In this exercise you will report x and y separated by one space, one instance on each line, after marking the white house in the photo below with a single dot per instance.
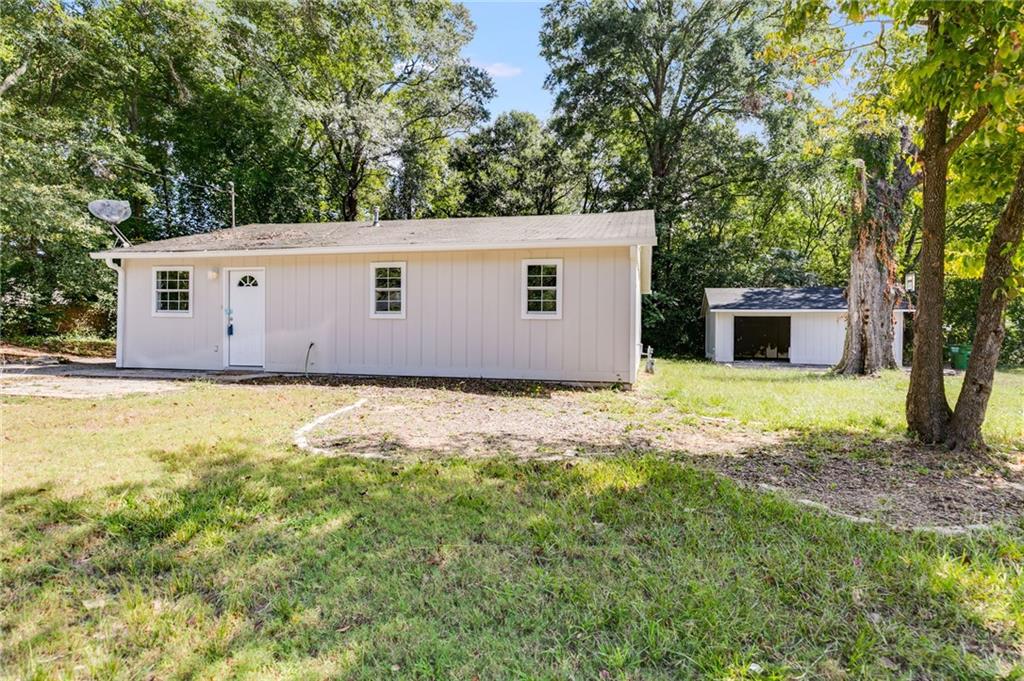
543 297
796 325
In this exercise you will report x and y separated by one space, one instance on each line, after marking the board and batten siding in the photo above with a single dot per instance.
463 316
814 337
817 337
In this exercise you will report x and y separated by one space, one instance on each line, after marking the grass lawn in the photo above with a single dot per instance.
181 535
805 401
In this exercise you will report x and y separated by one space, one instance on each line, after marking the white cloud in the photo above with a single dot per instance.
501 70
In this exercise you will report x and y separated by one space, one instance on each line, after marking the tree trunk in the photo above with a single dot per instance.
13 76
928 412
880 195
965 428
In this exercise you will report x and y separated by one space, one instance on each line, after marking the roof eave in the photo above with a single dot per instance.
791 310
372 248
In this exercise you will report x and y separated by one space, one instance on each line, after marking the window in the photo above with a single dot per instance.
542 289
387 283
248 281
172 291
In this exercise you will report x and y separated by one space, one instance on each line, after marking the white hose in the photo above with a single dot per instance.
300 439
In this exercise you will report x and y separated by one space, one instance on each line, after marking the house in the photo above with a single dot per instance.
797 325
542 297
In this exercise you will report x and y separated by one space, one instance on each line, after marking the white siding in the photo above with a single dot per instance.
724 336
897 337
709 334
462 317
816 337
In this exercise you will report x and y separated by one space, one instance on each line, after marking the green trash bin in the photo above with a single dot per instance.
959 354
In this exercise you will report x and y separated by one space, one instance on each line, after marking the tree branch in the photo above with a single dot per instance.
965 130
14 75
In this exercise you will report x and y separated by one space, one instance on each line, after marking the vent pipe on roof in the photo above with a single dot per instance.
376 216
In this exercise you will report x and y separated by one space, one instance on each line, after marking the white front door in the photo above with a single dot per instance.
246 314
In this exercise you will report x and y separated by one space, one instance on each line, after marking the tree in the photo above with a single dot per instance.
961 74
364 79
424 184
981 174
882 186
515 166
310 108
664 87
981 43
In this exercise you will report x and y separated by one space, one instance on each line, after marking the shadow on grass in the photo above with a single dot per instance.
318 566
892 479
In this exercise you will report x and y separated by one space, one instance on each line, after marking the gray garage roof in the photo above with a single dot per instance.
627 228
769 299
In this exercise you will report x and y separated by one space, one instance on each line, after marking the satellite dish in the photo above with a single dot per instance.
113 213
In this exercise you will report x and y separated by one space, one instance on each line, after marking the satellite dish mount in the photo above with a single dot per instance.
113 213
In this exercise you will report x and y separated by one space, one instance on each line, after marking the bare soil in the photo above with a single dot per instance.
79 387
894 481
552 424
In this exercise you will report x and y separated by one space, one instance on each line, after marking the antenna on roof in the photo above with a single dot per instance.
113 213
231 189
376 215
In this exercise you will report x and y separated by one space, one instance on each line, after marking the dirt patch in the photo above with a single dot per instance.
78 387
895 481
550 424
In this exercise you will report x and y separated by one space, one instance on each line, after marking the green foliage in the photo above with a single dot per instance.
695 123
962 300
310 108
516 166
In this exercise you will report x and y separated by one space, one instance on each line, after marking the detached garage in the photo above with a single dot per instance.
796 325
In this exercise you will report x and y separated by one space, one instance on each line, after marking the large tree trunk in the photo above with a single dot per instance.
876 215
965 428
928 411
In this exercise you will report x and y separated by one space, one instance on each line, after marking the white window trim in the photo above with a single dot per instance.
557 314
191 292
373 291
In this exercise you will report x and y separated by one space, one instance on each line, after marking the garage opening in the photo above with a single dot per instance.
761 338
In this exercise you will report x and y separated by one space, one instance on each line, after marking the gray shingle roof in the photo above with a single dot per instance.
804 298
635 227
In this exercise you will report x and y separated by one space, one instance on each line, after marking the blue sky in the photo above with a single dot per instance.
506 45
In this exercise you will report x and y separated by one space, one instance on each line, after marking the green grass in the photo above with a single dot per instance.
180 535
775 399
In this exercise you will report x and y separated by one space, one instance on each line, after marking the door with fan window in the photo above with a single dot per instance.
246 316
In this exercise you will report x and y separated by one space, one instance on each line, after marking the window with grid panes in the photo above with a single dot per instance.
172 291
542 288
388 289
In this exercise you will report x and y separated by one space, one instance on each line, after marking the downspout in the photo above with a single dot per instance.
115 264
